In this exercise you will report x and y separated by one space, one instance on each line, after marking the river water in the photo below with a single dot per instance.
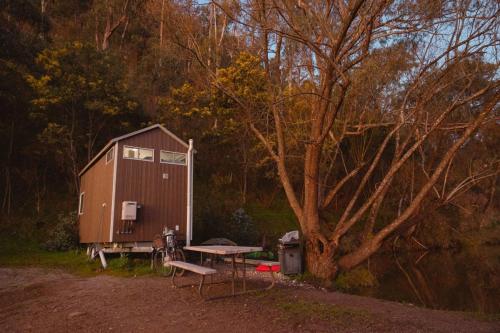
450 280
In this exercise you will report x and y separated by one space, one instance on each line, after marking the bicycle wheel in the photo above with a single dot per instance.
179 256
159 264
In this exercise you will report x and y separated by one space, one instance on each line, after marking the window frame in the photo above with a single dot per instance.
81 204
112 151
173 152
138 159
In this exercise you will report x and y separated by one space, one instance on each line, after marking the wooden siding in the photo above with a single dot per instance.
97 184
163 201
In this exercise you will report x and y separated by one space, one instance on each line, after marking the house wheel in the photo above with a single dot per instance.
91 252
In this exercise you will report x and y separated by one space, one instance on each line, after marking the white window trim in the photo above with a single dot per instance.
138 159
112 155
80 201
174 152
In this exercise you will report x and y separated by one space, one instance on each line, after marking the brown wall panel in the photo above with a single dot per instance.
97 183
163 201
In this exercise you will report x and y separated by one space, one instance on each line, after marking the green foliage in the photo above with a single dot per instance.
26 252
246 80
64 234
242 228
77 76
359 277
79 92
187 101
321 311
273 221
128 265
123 262
218 213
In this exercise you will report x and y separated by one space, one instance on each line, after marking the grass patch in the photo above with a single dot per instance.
28 253
271 295
309 278
481 316
303 311
127 266
321 311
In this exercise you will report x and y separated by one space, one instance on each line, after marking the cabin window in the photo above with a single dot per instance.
136 153
80 203
110 154
171 157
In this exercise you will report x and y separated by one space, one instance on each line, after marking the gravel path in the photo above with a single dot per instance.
39 300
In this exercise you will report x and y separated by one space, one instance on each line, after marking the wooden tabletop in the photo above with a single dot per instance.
223 249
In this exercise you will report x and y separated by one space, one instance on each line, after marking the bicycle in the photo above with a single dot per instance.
165 249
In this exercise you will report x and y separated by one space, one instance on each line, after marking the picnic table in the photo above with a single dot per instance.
227 250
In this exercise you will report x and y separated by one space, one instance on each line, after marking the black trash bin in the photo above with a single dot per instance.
290 254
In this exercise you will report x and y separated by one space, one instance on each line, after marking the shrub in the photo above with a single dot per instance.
242 229
64 235
359 277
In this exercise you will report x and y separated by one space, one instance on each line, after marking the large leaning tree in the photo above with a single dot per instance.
359 92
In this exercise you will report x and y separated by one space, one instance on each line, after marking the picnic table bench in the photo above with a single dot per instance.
201 270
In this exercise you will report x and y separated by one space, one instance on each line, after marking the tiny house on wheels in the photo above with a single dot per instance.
135 186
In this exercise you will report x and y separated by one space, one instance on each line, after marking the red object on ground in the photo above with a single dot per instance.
263 268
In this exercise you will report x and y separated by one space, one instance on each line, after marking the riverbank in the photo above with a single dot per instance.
38 300
457 279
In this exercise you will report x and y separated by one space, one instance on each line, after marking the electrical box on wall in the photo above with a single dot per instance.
129 210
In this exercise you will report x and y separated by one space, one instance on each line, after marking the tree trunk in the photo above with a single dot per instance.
162 20
245 175
319 251
319 259
112 26
355 258
7 200
73 153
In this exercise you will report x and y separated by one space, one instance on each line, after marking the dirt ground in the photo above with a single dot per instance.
40 300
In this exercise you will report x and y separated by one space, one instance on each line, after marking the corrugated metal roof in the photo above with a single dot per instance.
113 141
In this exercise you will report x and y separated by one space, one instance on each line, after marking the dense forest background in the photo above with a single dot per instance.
76 73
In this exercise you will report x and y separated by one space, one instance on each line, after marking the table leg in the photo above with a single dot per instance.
233 273
212 257
244 274
200 288
273 280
